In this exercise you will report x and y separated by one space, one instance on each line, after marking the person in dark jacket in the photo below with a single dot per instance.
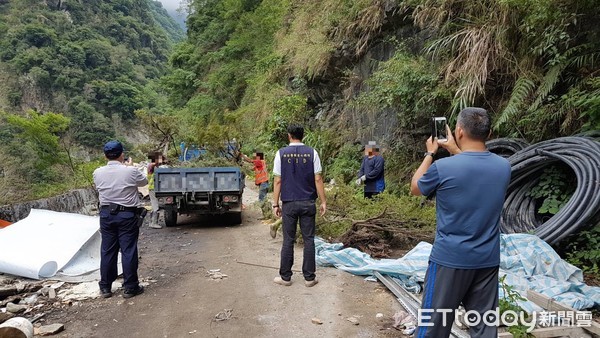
381 181
371 172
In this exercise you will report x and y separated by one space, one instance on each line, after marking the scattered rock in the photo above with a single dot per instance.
317 321
11 299
353 320
403 319
81 291
44 291
5 316
379 315
37 317
224 315
216 274
52 293
15 308
48 330
30 300
409 331
21 287
57 285
7 290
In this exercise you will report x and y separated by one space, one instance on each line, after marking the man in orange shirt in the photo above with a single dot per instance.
261 176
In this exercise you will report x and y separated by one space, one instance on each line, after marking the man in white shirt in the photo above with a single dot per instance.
298 182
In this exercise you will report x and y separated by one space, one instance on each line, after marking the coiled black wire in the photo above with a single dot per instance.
506 147
582 155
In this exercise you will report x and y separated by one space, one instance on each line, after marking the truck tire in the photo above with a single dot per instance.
236 218
170 217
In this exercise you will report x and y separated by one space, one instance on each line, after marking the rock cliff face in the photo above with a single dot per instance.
332 98
82 201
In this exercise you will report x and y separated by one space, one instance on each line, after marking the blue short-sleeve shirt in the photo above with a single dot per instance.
470 189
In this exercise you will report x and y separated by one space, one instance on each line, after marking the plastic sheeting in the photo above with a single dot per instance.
527 261
46 241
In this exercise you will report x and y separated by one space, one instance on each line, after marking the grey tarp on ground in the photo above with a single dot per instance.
527 261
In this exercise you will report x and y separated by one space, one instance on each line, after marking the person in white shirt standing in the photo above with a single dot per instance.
298 182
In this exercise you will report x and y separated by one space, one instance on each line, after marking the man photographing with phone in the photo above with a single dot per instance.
470 188
120 218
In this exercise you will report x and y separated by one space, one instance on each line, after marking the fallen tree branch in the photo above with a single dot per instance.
376 235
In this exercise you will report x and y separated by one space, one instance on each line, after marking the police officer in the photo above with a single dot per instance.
298 181
119 204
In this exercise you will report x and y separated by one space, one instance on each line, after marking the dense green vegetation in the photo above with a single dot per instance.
249 67
350 70
358 70
93 63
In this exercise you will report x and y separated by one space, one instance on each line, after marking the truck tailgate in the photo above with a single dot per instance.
179 180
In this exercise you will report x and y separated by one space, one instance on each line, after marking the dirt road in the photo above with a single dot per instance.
182 300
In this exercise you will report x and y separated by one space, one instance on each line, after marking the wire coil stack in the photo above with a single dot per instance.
506 147
582 155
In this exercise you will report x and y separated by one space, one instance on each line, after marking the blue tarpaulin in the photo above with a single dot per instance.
527 261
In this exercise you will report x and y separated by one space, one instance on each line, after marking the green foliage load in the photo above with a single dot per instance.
209 161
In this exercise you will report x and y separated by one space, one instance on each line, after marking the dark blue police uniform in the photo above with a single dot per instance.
119 219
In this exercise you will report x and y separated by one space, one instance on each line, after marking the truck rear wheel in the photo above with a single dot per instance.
236 218
171 217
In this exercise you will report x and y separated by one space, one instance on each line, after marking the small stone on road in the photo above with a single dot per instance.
353 320
15 308
48 330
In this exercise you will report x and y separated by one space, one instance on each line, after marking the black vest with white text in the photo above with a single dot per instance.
297 173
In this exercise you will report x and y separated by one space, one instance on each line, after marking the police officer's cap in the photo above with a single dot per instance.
114 148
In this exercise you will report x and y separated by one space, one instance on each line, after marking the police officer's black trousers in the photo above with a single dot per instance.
292 212
119 231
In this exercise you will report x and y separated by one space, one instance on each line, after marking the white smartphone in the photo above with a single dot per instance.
439 128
